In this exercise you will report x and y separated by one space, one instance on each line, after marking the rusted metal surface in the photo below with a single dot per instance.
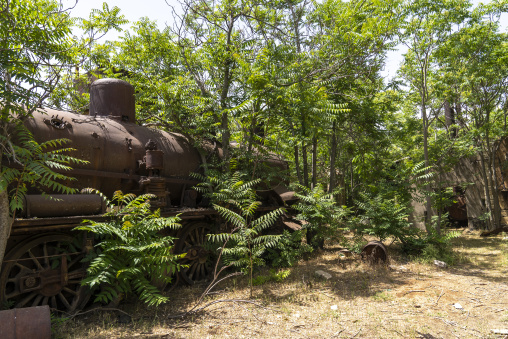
193 241
122 156
374 252
113 98
59 205
189 198
458 210
115 151
44 270
154 159
30 322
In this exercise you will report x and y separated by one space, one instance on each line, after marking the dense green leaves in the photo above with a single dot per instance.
295 80
35 165
131 256
247 241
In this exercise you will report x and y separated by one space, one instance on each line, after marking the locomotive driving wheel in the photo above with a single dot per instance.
199 258
44 270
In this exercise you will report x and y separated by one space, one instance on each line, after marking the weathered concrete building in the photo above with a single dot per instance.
469 187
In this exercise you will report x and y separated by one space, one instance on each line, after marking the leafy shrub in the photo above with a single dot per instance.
274 275
431 246
235 201
224 188
289 250
131 253
324 218
383 218
40 164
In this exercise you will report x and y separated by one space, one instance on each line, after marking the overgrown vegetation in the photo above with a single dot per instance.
296 81
38 165
325 219
235 200
291 248
132 256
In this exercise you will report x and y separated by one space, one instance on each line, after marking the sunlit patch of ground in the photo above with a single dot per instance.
401 300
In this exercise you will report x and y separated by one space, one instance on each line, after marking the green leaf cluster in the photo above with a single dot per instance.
325 219
290 249
132 256
247 241
35 166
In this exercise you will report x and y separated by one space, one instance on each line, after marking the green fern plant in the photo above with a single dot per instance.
33 164
324 218
131 254
289 250
235 201
383 217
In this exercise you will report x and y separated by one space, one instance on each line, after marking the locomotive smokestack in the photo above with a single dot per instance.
113 98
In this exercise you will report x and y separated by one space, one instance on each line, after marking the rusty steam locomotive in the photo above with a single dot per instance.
43 261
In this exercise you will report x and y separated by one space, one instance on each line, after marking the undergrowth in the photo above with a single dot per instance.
132 257
273 275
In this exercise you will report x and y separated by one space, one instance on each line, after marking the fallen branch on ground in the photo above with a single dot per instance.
442 292
212 285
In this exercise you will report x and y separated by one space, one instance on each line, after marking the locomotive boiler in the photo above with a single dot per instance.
43 261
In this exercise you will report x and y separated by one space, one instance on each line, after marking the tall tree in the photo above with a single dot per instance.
429 23
474 67
33 38
35 47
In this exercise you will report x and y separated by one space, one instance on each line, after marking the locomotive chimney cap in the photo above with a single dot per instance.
112 98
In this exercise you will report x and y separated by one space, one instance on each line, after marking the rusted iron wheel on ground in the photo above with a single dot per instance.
374 252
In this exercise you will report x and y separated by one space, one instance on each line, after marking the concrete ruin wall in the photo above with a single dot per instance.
468 171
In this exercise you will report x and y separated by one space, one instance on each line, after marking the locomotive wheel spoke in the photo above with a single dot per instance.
193 270
53 302
74 281
40 258
37 300
12 295
194 238
191 239
46 258
202 240
63 300
26 299
68 290
22 267
198 237
34 259
203 273
75 261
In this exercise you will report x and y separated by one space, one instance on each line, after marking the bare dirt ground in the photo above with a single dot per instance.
404 299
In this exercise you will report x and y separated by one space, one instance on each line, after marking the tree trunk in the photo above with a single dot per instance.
252 131
333 152
314 162
226 133
297 165
450 119
225 136
428 188
486 190
352 183
305 165
5 224
494 189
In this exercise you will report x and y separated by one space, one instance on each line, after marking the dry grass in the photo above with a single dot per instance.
402 300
